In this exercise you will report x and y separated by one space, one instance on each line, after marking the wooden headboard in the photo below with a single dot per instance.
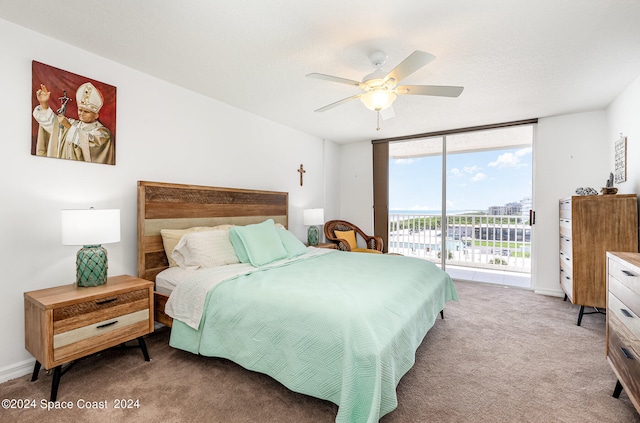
176 206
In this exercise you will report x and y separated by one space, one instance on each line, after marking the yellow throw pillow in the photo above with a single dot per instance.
349 236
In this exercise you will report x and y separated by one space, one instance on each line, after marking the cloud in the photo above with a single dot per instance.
471 169
478 177
455 171
511 159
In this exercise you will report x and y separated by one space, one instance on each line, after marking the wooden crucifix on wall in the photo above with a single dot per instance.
301 171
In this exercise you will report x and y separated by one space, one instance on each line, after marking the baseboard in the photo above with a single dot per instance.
550 292
16 370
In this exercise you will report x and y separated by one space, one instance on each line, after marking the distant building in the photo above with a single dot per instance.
509 209
527 205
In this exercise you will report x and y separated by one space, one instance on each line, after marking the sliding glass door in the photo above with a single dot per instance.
463 199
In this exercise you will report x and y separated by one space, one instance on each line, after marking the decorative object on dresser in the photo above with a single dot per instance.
589 227
313 218
609 189
66 323
586 191
90 228
623 322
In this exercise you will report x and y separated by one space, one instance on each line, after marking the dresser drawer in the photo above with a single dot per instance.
565 228
565 259
86 313
626 274
566 277
626 315
565 209
565 245
623 355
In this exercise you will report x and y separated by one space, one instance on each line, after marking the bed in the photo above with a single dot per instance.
339 326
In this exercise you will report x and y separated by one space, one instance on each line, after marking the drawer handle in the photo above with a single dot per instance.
626 272
626 353
106 324
626 312
105 301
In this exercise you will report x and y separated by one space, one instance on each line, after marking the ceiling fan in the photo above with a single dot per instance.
381 88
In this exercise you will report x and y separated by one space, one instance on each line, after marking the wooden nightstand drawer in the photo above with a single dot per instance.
87 313
68 345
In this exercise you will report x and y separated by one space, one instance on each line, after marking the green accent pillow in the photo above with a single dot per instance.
293 245
238 246
261 242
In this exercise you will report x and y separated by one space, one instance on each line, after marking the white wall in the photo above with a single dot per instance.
569 152
356 184
622 117
164 133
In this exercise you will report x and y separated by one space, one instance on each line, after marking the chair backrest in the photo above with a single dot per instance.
342 225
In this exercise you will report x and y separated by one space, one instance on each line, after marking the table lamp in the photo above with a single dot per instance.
90 228
312 218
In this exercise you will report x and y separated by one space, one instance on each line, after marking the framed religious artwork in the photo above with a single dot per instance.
621 159
73 117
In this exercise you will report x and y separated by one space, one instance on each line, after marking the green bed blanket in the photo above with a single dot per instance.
342 326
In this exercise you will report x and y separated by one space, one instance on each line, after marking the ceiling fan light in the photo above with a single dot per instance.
377 100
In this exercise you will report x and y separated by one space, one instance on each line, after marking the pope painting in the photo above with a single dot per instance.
72 131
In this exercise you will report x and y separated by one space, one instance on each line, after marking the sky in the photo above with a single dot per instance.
475 181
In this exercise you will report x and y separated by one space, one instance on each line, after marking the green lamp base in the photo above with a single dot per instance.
91 266
313 235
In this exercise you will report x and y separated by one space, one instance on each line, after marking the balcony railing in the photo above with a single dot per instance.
482 241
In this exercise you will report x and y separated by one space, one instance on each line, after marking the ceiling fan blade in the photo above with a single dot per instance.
412 63
334 79
435 90
337 103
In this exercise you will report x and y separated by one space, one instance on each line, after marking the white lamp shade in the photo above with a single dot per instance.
313 217
90 227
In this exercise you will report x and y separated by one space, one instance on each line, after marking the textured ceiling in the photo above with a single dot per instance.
516 59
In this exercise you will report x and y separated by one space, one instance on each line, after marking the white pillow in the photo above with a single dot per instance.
171 237
204 249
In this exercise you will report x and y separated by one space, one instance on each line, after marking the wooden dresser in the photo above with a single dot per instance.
589 227
65 323
623 322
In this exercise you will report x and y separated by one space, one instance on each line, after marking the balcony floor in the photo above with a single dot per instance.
495 277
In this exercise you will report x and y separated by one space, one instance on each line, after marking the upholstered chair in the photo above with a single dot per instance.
346 235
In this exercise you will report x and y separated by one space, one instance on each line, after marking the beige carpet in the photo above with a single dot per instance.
500 355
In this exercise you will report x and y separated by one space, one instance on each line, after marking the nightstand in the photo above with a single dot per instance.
66 323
